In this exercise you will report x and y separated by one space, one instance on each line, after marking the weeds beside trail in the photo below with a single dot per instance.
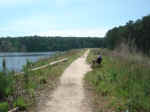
23 90
121 83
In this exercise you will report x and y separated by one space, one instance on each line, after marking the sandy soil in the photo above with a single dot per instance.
69 96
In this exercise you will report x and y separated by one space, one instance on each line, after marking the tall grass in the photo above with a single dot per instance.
6 90
124 78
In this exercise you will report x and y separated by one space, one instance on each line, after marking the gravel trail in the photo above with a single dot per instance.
69 96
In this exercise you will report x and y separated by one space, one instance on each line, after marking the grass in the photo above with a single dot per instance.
23 90
120 83
3 107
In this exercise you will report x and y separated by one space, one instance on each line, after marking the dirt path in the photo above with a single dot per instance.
69 95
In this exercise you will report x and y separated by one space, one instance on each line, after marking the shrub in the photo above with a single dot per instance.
20 102
6 83
4 107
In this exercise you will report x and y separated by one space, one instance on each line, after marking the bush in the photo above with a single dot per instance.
4 107
6 83
20 102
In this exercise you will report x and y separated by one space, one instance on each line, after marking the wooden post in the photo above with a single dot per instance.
4 65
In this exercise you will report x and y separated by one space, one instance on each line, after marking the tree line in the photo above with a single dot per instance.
134 32
41 44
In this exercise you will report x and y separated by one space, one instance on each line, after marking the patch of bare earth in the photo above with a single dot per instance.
98 102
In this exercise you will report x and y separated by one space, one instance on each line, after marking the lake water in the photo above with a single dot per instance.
15 61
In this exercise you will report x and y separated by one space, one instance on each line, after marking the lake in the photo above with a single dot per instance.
15 61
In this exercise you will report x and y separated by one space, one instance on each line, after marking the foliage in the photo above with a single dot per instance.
6 83
40 44
137 32
20 102
3 107
123 80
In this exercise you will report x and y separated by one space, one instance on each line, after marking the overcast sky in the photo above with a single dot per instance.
67 17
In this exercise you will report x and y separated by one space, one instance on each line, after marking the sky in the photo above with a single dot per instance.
67 17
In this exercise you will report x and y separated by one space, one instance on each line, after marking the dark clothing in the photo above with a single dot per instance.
99 59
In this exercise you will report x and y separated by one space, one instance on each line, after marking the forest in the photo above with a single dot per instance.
41 44
135 33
